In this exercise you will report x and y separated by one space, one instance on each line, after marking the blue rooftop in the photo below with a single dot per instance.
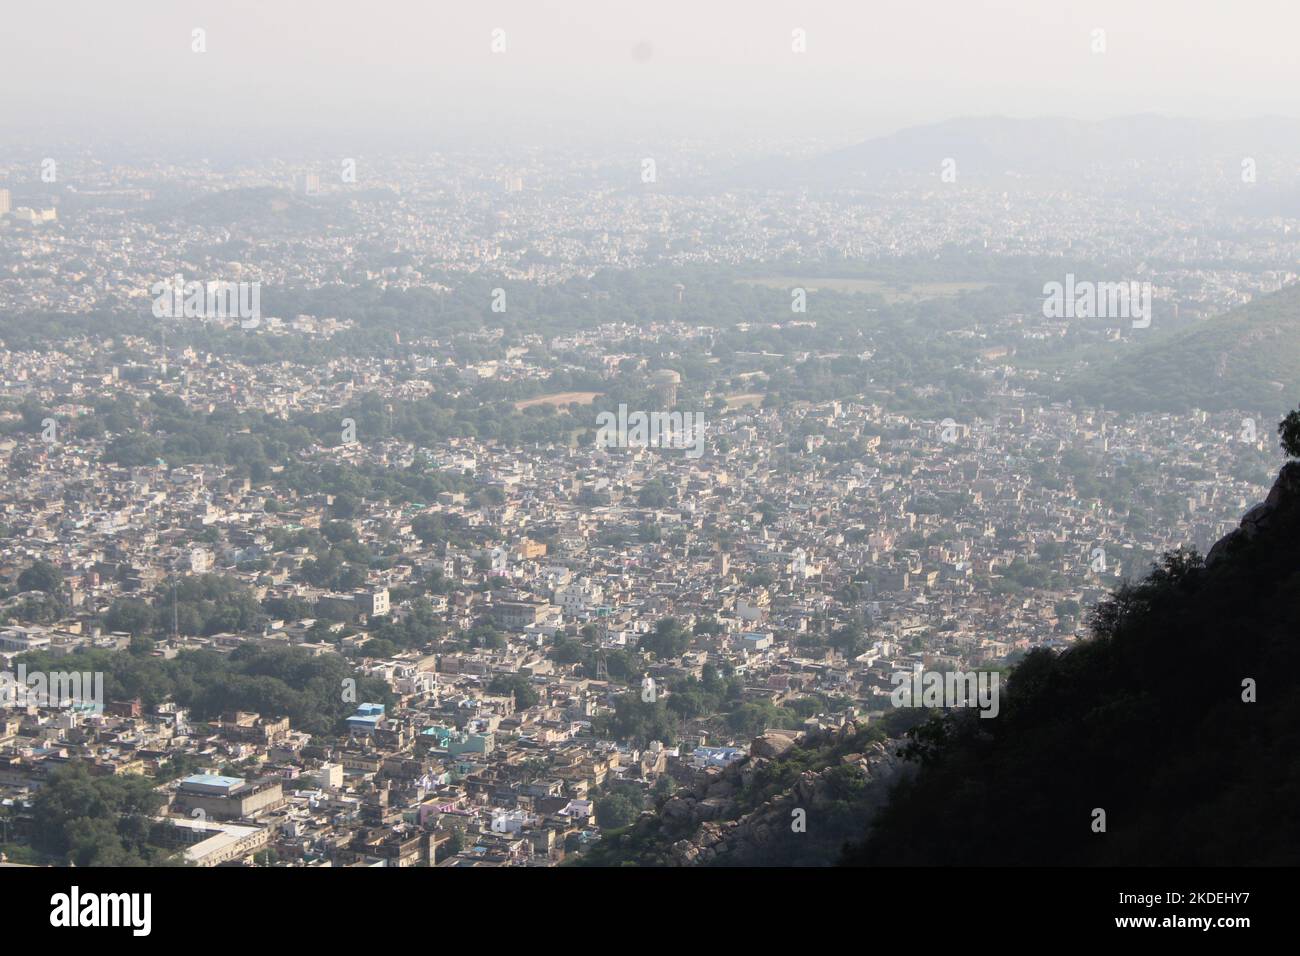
213 780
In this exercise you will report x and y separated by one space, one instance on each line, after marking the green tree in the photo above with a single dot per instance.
131 615
97 821
1289 430
616 811
517 684
41 576
667 640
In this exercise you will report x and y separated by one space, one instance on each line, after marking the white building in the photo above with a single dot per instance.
579 596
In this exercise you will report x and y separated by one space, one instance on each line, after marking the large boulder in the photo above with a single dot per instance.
1285 490
773 743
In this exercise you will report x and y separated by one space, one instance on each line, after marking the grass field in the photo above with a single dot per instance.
558 399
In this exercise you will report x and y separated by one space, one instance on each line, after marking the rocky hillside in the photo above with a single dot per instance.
1179 719
794 801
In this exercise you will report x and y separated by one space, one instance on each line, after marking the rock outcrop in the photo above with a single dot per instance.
727 834
1285 488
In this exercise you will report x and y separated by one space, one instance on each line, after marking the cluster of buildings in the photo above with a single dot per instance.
97 243
935 544
810 552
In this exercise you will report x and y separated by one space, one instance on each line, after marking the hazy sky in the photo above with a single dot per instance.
613 68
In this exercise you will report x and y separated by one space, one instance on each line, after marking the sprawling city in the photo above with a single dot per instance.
657 500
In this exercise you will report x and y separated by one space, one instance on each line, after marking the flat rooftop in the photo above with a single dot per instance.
212 783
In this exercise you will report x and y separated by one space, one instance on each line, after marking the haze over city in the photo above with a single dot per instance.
611 437
587 70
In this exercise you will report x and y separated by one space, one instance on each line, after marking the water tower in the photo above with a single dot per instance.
664 382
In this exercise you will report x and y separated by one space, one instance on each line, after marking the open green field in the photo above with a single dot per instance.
558 399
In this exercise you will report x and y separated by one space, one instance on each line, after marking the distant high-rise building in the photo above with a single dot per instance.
308 184
4 202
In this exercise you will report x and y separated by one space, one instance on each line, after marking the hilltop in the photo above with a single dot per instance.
1047 147
254 207
1248 358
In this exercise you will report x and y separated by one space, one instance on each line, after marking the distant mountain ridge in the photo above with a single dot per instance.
1048 146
